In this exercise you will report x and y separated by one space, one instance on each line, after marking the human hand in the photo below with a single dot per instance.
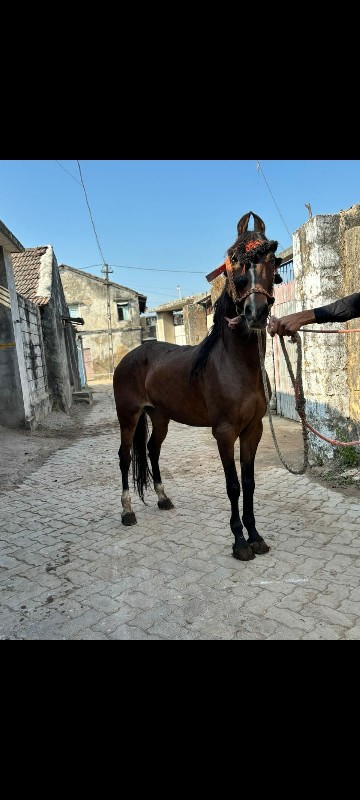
289 325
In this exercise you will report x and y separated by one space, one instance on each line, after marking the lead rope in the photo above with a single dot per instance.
299 397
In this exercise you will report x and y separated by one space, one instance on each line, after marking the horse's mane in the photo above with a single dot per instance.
224 306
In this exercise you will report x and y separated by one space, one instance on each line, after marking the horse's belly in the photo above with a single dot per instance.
177 406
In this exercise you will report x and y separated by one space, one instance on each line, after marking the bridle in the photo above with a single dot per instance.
239 296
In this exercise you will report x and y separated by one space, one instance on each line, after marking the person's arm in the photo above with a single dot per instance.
342 310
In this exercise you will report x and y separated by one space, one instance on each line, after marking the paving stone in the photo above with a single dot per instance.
69 569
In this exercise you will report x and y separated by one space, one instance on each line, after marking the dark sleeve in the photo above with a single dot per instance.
340 311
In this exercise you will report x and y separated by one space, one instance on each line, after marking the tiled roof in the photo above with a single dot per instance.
28 272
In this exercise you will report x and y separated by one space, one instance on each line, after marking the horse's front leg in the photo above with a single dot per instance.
248 447
225 441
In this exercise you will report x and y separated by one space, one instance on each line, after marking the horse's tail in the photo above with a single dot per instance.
140 466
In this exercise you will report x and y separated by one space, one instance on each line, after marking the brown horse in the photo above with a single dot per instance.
217 384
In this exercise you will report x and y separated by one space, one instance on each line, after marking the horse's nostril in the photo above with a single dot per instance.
263 312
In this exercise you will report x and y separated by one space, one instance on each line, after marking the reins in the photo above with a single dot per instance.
333 330
299 404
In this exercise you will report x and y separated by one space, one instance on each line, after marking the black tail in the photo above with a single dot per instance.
140 466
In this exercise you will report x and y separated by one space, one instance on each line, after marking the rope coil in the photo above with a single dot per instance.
299 397
299 402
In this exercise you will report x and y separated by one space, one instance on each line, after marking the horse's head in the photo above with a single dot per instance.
251 270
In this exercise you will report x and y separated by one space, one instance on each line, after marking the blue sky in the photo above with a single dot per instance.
164 215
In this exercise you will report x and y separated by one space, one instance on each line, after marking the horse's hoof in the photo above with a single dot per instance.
129 518
165 504
259 547
243 553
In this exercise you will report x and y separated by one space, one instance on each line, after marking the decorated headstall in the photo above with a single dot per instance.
246 252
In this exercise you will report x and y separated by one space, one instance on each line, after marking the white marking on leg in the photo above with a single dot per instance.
126 502
160 491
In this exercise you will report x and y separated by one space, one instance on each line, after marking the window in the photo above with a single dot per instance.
74 309
123 311
286 270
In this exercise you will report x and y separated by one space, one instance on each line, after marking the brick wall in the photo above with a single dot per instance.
30 325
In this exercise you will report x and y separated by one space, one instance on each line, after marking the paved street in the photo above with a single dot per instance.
70 570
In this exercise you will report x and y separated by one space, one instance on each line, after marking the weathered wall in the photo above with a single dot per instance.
123 342
30 326
60 346
15 408
350 227
91 296
326 258
217 287
194 323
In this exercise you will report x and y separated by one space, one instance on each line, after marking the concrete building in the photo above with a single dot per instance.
111 315
326 267
15 404
50 339
184 320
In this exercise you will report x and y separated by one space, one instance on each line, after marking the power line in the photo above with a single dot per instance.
154 269
91 216
145 269
106 270
67 171
259 168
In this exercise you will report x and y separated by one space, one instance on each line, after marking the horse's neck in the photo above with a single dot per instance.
240 342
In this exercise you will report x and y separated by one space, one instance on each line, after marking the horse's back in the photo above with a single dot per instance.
157 374
149 359
146 355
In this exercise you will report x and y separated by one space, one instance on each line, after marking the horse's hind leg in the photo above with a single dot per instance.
127 515
160 428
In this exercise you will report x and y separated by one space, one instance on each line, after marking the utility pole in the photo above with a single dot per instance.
106 269
179 290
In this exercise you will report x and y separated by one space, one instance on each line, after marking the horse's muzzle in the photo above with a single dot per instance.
256 317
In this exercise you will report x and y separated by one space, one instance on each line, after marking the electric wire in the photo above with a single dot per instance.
260 169
91 216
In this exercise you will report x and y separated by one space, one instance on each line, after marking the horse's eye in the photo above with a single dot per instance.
240 281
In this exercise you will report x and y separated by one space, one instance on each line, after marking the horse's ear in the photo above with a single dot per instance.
243 223
259 225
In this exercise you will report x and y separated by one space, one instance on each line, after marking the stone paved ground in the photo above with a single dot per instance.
70 570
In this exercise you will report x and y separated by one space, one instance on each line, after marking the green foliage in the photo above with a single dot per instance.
349 456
